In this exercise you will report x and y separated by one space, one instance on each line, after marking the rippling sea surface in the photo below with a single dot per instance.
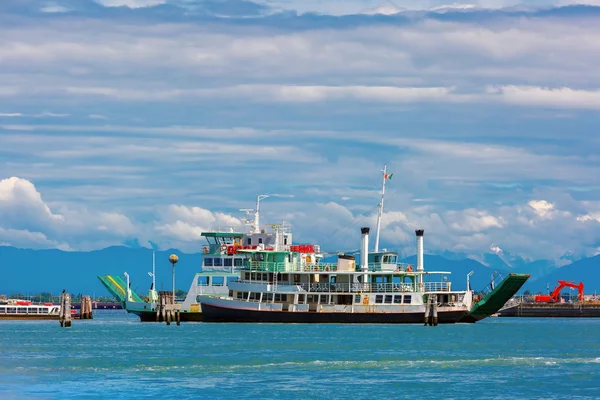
114 356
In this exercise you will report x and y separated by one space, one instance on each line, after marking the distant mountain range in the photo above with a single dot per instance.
33 271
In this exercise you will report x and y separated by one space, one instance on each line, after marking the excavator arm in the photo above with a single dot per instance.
554 297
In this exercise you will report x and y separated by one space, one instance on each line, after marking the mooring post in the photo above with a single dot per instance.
427 310
85 311
65 310
435 310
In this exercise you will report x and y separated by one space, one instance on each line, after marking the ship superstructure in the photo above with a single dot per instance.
280 286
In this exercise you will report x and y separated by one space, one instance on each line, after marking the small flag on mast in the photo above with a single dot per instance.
388 176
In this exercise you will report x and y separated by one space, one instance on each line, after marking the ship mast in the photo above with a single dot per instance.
153 271
384 170
257 212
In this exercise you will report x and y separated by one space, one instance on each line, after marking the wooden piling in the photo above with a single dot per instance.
431 310
427 310
85 310
434 312
167 311
65 310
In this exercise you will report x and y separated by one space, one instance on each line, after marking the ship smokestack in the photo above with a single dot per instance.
419 233
364 251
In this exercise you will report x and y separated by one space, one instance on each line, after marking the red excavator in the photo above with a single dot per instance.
554 297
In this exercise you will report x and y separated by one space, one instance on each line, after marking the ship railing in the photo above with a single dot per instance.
397 267
228 269
344 287
322 267
267 266
358 287
436 286
497 278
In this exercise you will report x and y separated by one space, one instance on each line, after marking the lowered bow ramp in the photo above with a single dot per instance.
117 287
497 296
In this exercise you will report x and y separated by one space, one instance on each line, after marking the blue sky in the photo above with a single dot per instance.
154 123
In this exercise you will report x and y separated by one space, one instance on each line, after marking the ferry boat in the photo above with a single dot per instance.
14 309
281 286
289 286
224 256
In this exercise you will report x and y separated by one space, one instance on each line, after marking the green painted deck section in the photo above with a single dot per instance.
498 296
117 287
222 234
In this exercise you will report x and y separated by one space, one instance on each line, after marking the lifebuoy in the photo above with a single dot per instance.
230 250
223 247
409 269
205 249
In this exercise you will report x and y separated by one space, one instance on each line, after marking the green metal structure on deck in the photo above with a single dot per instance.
497 295
118 288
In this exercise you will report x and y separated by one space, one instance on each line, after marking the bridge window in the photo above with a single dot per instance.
203 281
398 299
218 262
228 262
268 297
218 280
2 310
208 262
239 262
300 299
249 241
407 299
379 299
357 299
376 259
260 240
388 299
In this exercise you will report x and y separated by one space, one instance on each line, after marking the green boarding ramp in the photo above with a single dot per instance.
117 287
497 293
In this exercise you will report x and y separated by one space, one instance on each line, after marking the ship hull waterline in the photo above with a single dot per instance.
150 316
213 313
29 317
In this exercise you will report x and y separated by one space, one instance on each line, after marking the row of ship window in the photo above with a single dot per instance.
23 310
322 299
223 262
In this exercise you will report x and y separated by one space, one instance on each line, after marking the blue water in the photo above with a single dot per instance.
116 357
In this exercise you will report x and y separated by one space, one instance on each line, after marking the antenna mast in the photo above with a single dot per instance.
257 212
153 270
384 170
